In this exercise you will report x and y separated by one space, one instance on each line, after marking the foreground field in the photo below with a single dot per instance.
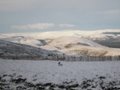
55 75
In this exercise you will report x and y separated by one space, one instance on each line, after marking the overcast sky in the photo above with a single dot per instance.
46 15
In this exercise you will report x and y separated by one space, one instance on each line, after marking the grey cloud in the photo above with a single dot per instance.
81 5
14 5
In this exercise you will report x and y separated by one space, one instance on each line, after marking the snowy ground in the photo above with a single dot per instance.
70 75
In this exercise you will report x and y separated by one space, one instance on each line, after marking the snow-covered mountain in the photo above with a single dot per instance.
10 50
25 40
90 43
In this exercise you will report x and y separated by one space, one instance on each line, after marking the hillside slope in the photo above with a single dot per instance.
77 43
20 51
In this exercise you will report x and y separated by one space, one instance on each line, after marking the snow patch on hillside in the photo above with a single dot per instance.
69 42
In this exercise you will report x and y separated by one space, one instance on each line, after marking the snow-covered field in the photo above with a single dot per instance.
45 74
